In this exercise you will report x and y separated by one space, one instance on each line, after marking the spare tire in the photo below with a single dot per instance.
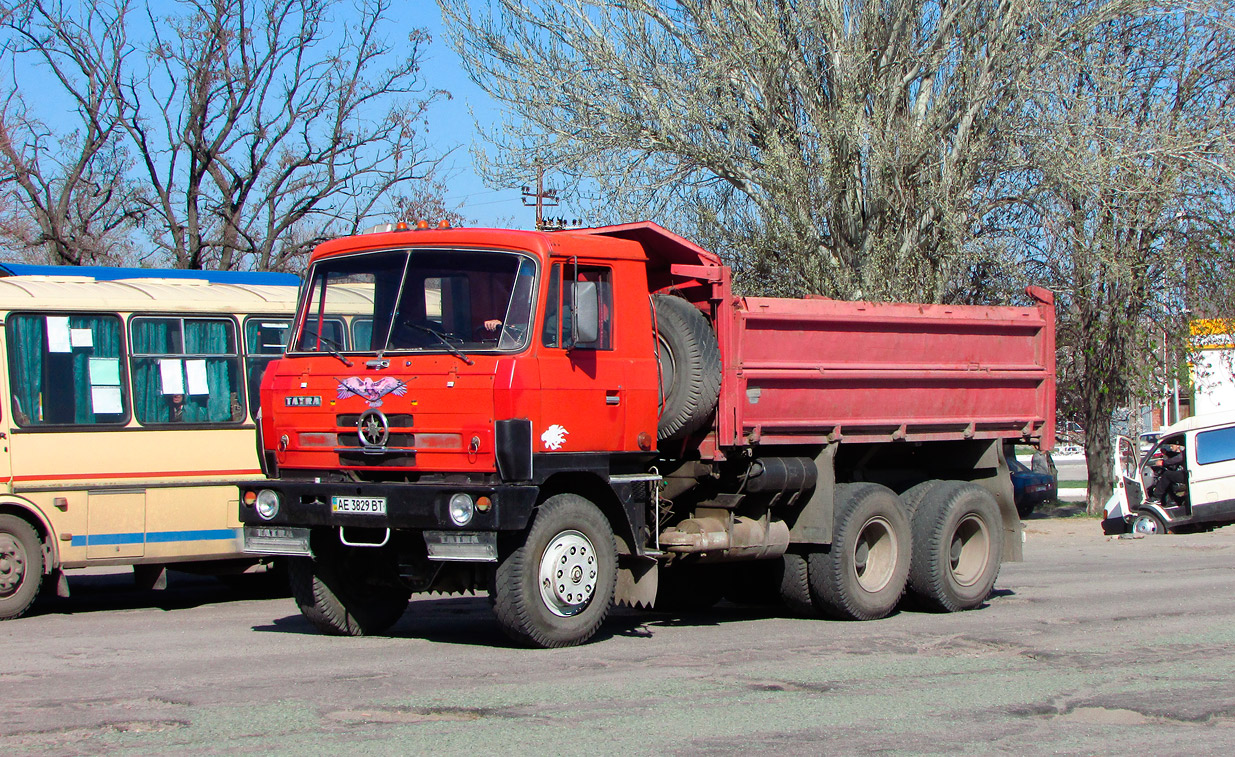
689 367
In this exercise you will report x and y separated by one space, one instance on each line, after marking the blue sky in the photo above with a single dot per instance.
451 125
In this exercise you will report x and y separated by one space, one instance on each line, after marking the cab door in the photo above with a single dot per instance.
1129 491
583 379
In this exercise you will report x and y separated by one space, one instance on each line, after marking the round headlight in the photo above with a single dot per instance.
461 509
267 505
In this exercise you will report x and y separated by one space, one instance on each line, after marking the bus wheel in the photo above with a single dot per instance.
339 601
556 588
958 546
861 576
21 566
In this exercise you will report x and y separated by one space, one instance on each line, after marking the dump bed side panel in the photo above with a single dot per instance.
815 370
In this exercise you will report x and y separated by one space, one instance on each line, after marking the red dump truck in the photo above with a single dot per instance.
569 419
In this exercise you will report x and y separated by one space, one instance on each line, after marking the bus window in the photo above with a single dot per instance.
185 370
362 335
65 369
265 338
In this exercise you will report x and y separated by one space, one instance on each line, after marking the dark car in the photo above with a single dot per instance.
1030 487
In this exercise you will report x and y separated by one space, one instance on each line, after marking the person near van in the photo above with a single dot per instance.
1169 471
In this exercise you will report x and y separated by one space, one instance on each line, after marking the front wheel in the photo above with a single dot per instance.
861 576
556 588
1148 523
345 598
21 566
958 546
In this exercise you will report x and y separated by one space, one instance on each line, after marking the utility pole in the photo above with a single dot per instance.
545 198
540 199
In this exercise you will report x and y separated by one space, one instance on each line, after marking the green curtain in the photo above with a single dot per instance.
26 347
150 337
105 333
210 338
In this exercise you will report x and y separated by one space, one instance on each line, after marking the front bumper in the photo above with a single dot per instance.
411 507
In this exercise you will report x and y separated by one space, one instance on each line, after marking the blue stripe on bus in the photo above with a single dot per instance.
156 537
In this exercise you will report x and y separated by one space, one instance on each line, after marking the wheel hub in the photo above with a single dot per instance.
12 564
970 550
1144 525
874 554
568 574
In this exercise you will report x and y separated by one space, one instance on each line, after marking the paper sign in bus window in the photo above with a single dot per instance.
104 371
172 375
105 400
58 339
81 338
197 376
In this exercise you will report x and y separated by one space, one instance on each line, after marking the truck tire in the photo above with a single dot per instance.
795 586
957 547
912 498
337 600
556 587
862 574
21 566
689 368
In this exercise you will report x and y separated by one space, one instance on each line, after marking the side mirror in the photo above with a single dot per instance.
585 313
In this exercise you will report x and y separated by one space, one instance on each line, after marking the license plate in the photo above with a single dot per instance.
367 505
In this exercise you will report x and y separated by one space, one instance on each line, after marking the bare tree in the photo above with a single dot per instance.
69 186
257 128
843 147
1129 130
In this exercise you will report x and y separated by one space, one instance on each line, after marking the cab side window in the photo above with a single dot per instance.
186 370
1217 446
66 369
557 330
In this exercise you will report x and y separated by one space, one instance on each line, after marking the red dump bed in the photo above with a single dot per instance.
815 370
802 370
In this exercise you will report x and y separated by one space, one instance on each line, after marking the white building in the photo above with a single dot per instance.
1213 366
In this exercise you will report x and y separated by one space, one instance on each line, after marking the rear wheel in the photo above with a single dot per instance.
861 576
345 597
912 498
21 566
795 585
555 589
958 546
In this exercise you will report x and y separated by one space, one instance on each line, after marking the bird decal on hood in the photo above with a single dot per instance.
372 391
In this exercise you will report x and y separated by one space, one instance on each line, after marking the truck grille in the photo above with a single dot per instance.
352 420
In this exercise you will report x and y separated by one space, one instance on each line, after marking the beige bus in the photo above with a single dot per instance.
127 413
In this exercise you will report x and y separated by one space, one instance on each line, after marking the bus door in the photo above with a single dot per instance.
116 524
6 423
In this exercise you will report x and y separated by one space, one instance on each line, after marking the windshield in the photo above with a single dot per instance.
425 301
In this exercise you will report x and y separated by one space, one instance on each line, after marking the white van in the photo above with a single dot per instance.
1206 501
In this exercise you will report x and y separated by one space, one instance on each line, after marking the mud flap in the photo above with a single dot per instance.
637 581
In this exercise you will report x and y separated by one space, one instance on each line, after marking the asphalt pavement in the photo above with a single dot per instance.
1092 645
